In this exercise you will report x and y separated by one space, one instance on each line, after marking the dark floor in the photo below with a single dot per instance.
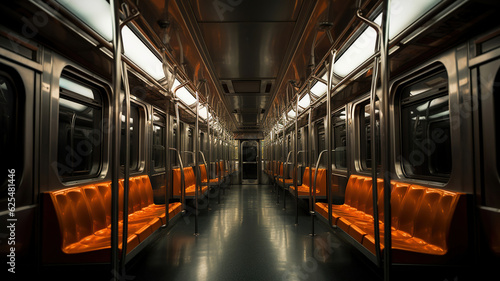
249 237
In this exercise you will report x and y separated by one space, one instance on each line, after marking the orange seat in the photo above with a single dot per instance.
77 220
421 219
189 183
304 189
204 178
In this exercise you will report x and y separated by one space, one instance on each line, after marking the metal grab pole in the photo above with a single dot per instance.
115 151
197 170
386 137
296 148
183 184
373 97
328 133
178 137
313 199
284 185
167 161
126 183
170 81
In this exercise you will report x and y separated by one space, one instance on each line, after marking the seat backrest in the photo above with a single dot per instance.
321 181
176 181
409 208
73 214
305 177
148 188
141 188
444 213
365 198
203 173
349 189
398 193
97 207
189 177
104 189
424 220
354 202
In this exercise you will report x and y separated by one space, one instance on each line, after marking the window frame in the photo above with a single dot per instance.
431 95
334 125
141 159
69 95
362 146
164 126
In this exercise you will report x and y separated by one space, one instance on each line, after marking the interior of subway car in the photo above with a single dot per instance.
249 140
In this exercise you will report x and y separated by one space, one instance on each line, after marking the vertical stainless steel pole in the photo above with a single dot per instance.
295 158
126 183
328 135
309 161
373 119
196 163
167 159
115 151
386 138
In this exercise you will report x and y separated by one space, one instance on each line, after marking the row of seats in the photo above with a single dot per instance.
77 220
427 224
189 183
304 189
190 179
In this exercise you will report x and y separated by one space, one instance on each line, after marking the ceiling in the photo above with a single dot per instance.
248 51
245 46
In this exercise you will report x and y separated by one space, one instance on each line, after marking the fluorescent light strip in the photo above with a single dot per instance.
305 101
95 13
184 95
141 55
402 14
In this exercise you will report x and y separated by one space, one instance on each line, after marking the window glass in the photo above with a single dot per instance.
321 144
79 153
173 154
159 142
365 145
9 133
339 140
425 128
134 138
190 147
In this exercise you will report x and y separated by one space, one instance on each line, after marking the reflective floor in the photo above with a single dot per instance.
249 237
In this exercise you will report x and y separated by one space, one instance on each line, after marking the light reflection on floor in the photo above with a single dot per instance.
249 237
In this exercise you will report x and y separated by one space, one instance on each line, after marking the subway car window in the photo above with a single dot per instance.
321 144
425 128
365 139
134 138
159 142
190 147
80 130
8 122
174 158
339 140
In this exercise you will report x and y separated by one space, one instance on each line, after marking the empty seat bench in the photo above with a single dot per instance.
204 177
304 189
77 220
189 183
427 223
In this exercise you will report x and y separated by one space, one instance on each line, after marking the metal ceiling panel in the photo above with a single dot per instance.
247 50
248 101
246 86
240 10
